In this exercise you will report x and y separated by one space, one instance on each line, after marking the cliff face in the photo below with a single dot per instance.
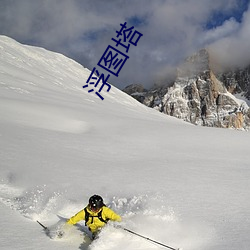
201 97
237 81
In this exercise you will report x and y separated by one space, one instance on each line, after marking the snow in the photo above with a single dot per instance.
242 99
182 185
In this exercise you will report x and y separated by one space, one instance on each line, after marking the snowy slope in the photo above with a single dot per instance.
179 184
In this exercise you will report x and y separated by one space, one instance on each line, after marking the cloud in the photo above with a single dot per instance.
233 49
228 28
82 29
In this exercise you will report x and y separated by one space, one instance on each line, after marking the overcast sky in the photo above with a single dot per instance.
172 30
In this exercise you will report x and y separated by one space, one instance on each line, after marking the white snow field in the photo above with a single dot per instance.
185 186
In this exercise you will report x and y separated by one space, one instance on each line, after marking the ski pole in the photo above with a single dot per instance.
45 228
146 238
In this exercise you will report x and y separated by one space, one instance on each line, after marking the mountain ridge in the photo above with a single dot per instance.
200 95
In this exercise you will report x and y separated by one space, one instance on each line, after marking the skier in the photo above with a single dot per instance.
95 214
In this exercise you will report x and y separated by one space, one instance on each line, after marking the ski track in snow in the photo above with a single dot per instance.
43 117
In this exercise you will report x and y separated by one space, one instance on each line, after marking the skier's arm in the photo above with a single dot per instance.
77 217
110 214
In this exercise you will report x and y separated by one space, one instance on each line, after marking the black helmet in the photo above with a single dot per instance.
96 202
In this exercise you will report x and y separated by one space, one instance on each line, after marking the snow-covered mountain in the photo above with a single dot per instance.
182 185
201 96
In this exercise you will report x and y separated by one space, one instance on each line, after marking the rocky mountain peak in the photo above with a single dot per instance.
202 97
196 64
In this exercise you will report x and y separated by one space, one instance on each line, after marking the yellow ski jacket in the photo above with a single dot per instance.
94 223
